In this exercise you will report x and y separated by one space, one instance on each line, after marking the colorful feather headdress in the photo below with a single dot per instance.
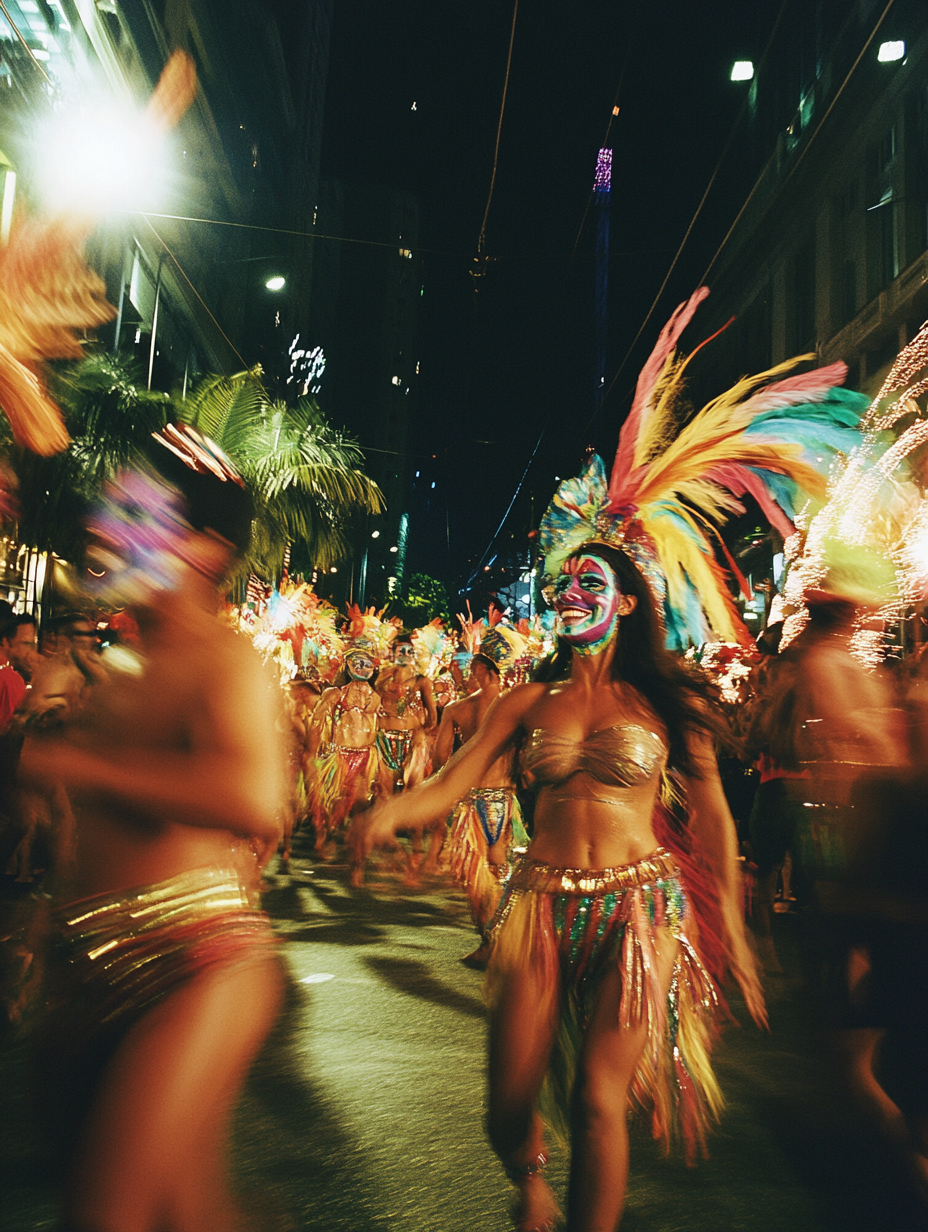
774 439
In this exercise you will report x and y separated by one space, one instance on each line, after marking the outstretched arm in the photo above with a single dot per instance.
713 826
466 769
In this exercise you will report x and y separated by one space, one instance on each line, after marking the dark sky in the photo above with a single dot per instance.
498 370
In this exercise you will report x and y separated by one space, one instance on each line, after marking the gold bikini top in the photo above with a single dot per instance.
624 755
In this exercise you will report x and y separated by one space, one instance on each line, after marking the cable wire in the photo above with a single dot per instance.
804 149
481 239
689 229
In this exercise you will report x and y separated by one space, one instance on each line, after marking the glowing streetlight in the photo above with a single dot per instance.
277 283
889 52
94 158
375 534
742 70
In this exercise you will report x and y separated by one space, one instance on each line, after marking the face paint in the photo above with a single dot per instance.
405 655
359 666
587 600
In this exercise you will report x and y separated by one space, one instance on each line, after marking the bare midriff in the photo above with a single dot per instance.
582 823
117 850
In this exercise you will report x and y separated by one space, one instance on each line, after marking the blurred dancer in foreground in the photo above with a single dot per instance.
163 978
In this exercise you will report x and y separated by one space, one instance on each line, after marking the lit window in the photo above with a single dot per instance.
891 51
375 534
394 549
333 570
407 253
397 380
742 70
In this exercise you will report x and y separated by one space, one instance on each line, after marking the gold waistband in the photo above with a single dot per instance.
201 891
547 879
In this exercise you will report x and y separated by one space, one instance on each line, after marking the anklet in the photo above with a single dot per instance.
524 1172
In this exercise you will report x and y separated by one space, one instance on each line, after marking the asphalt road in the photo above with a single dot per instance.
365 1111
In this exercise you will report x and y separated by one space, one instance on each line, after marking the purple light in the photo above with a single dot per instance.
602 181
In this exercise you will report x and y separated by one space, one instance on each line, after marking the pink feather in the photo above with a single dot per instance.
738 480
669 336
806 387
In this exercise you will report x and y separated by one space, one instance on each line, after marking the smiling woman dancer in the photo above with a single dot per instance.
598 998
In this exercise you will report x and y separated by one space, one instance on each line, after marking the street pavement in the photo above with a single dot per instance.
365 1111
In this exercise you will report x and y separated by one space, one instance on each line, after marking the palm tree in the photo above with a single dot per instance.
110 416
304 475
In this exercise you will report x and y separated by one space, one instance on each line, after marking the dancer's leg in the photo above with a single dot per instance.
152 1155
523 1025
599 1135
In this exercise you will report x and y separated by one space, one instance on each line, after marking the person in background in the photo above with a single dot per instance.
19 644
487 822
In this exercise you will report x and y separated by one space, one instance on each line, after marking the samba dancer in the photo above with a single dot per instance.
487 822
342 745
407 718
597 994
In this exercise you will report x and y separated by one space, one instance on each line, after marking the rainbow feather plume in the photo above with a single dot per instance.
773 436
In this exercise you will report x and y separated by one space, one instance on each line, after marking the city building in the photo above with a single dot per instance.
828 253
365 306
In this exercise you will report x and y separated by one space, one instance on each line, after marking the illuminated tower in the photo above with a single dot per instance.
602 182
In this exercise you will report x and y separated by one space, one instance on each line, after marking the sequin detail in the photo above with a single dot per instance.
573 936
115 954
624 755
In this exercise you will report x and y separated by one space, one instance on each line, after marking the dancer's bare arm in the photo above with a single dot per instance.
714 827
232 776
466 769
444 745
428 701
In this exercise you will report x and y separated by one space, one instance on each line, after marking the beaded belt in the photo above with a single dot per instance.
544 878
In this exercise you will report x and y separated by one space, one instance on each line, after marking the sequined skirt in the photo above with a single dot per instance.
572 927
395 748
114 955
486 817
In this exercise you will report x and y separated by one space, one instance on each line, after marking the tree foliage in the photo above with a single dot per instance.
305 476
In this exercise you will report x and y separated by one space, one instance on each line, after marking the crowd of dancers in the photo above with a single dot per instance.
573 790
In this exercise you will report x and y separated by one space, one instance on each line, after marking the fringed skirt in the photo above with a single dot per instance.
575 925
486 817
342 777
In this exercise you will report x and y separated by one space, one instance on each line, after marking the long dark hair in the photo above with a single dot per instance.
678 697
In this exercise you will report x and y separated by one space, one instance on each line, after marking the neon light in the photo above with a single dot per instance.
602 180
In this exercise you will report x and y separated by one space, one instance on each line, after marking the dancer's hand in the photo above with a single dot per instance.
743 967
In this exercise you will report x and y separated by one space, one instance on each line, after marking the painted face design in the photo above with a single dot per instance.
405 655
588 603
359 666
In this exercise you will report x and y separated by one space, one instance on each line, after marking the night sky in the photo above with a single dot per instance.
516 361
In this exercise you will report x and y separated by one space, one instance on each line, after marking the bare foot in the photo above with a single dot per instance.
412 879
536 1208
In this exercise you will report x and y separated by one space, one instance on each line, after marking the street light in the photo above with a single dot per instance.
94 158
892 51
277 283
742 70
